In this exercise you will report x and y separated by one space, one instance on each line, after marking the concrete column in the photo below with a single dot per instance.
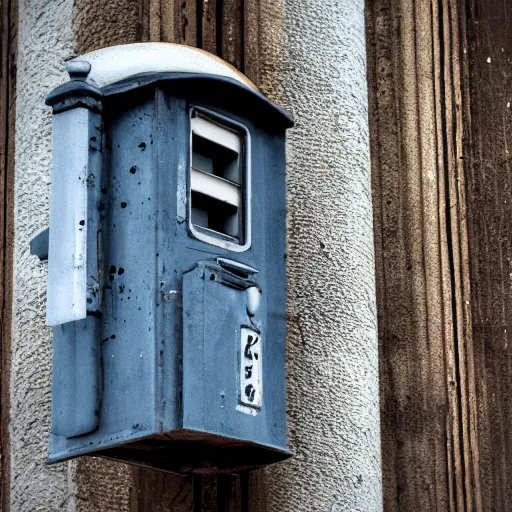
332 352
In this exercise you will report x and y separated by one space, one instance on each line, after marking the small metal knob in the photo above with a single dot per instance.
78 70
253 300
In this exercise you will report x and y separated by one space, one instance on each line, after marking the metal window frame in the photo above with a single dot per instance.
245 163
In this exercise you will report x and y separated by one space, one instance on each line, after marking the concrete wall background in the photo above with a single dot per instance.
45 40
311 60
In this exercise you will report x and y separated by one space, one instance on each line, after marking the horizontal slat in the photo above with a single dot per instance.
215 133
216 234
215 187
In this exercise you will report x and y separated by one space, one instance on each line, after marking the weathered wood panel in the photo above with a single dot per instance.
232 35
487 158
217 26
209 30
440 76
427 383
186 16
161 492
8 37
413 384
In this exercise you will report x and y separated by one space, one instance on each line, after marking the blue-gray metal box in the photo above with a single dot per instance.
179 361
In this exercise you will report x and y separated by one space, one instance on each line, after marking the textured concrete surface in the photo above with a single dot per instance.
45 40
332 369
100 24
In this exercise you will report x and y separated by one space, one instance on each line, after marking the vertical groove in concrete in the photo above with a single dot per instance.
8 62
332 359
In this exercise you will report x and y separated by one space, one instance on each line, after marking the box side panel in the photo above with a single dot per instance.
128 352
128 330
66 300
76 379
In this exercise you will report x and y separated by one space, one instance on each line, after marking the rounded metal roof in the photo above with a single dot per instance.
117 63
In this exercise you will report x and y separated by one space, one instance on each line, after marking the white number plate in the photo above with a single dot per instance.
250 368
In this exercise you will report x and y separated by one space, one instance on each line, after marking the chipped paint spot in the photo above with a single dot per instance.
246 410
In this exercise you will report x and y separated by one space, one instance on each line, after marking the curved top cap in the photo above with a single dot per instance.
117 63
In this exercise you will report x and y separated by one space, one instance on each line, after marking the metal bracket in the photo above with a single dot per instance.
39 245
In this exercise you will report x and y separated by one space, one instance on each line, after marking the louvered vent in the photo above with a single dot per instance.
217 179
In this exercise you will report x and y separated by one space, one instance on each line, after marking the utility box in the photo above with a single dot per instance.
166 262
